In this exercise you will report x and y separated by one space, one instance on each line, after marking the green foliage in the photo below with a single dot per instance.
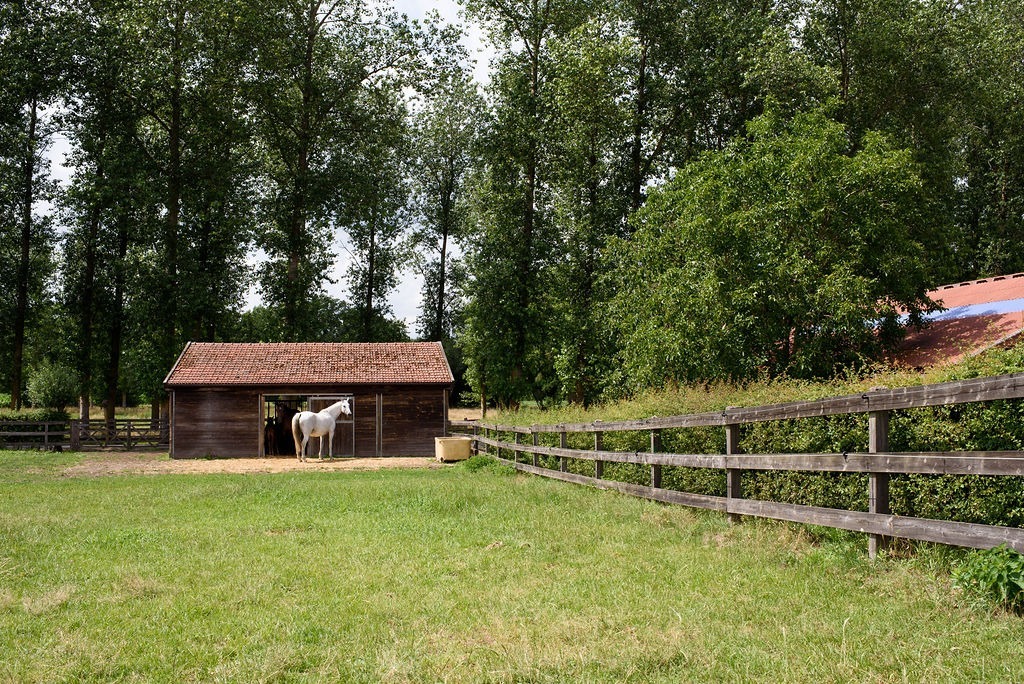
484 463
37 415
770 255
994 576
996 425
52 385
335 321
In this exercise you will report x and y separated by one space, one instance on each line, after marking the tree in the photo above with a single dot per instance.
184 60
31 52
989 186
508 314
774 255
444 140
586 97
891 63
376 225
327 76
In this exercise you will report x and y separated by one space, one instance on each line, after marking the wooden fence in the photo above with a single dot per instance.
49 435
80 435
878 462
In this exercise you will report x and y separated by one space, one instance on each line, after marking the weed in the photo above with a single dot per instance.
480 462
993 577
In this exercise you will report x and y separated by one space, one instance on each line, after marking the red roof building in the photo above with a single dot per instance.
237 400
976 316
310 363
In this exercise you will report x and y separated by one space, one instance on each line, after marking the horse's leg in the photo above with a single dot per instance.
330 443
296 436
302 451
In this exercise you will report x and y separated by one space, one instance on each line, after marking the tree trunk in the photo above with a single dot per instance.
371 267
113 370
447 198
24 264
297 221
174 193
88 295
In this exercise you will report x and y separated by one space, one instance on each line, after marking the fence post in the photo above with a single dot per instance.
476 433
733 476
563 442
76 439
656 469
598 446
878 483
128 435
536 458
515 452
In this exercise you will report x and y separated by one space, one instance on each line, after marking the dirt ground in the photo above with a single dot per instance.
145 463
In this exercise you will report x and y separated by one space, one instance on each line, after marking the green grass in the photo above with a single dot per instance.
458 575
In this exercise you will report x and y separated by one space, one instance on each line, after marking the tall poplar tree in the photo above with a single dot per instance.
32 61
445 131
513 238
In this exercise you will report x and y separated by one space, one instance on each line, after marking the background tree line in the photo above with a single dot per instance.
679 190
202 132
643 192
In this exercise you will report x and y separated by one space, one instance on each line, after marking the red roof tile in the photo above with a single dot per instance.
979 315
310 363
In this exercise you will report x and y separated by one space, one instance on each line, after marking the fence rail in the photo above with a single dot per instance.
878 462
17 434
80 435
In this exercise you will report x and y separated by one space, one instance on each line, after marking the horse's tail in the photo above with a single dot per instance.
297 435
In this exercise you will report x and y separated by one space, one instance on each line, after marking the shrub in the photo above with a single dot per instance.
994 576
52 385
35 415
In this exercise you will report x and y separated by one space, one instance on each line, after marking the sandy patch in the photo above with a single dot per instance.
145 463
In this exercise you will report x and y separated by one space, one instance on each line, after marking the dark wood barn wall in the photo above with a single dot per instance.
411 420
389 421
215 423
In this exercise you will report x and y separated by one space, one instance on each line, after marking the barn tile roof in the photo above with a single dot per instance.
310 363
977 315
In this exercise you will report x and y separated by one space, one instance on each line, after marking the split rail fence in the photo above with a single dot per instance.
82 435
878 463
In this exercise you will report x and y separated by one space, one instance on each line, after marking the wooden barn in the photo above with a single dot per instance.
237 400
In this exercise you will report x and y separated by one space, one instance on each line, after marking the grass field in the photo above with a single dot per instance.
450 575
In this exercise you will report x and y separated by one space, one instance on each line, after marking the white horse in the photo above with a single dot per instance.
308 424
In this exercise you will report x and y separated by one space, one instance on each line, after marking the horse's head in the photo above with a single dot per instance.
345 408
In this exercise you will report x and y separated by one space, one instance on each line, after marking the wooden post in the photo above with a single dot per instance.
536 458
515 452
656 469
598 446
878 483
476 433
563 442
76 438
733 476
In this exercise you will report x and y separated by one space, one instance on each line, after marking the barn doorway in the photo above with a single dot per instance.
276 415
